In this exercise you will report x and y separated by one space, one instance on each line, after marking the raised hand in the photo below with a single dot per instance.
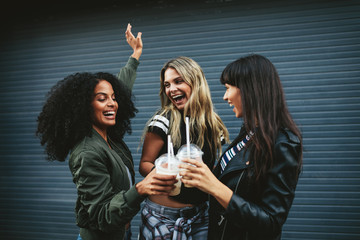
135 43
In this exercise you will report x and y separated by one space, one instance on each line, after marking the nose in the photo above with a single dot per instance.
111 102
172 88
225 96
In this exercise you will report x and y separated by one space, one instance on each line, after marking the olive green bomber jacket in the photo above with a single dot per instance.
106 201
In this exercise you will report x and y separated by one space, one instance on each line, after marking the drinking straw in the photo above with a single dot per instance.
187 136
169 151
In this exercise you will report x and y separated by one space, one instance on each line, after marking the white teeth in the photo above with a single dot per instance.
231 104
109 113
177 96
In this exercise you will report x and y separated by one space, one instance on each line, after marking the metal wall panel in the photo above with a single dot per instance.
314 45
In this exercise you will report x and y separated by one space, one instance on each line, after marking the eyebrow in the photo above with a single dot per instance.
102 93
175 79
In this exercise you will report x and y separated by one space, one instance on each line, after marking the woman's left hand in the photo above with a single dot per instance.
135 43
200 176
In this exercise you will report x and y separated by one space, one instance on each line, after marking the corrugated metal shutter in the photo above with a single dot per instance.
314 45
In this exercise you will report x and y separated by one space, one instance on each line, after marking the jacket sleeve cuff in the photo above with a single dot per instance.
133 197
234 208
132 63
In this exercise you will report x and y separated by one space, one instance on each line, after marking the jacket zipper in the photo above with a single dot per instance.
222 217
223 233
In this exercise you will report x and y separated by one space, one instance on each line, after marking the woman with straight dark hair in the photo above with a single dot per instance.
253 185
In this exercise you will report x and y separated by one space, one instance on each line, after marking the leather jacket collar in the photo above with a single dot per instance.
238 162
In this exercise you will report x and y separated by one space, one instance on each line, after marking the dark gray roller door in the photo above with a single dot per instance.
314 45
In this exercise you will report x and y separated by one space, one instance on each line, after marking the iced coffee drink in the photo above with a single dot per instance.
169 165
192 151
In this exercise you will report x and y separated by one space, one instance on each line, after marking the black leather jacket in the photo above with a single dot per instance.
257 211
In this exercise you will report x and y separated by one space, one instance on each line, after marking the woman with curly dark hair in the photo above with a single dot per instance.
87 116
253 185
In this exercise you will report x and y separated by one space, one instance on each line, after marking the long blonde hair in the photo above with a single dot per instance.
203 120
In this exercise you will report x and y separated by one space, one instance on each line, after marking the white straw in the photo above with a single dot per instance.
187 136
171 150
169 147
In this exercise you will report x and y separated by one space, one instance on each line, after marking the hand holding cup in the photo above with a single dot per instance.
169 165
189 152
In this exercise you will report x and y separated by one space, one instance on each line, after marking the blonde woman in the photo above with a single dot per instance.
183 92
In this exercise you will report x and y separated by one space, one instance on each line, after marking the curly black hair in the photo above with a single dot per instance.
66 117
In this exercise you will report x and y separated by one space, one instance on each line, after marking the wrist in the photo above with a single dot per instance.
216 191
219 190
139 188
222 194
137 53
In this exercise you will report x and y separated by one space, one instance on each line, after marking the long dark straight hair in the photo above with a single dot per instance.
264 106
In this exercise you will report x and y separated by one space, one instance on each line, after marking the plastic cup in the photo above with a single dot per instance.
169 166
194 153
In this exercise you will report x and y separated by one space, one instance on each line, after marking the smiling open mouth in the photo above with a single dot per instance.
178 98
109 113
